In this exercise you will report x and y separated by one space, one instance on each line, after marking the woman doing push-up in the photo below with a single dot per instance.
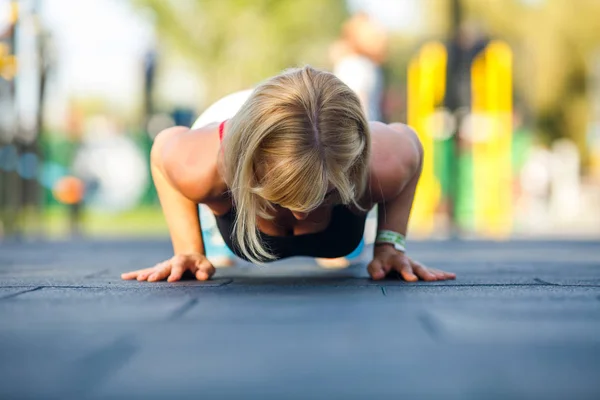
293 173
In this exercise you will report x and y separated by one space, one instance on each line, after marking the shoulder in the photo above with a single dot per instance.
188 159
396 156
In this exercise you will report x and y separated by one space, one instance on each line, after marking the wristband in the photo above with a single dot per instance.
390 237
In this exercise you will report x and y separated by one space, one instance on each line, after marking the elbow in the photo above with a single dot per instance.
416 164
162 143
410 147
156 151
415 138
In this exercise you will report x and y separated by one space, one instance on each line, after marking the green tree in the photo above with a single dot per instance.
234 44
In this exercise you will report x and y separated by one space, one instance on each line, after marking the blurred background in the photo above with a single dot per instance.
505 95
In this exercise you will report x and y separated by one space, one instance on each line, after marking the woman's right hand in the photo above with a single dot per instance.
173 269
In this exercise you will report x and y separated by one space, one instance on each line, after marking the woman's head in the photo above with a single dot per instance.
299 135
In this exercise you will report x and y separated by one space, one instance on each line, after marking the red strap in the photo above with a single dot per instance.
221 127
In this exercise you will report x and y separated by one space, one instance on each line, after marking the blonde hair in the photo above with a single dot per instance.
298 132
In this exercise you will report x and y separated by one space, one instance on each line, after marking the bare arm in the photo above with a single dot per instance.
398 179
180 212
182 180
394 211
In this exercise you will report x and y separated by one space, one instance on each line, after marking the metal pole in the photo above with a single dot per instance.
453 103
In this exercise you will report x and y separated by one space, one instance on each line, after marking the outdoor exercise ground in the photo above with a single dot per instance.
522 320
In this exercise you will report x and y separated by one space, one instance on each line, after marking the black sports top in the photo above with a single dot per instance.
340 238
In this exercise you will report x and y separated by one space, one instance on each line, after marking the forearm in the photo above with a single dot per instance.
394 214
181 215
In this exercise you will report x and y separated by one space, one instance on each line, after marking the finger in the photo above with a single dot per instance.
134 274
406 272
427 274
143 276
439 274
442 275
448 275
376 270
177 270
204 270
161 273
424 273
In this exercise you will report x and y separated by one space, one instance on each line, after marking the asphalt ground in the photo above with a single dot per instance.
522 321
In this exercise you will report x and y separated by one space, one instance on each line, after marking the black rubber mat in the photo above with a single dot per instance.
522 320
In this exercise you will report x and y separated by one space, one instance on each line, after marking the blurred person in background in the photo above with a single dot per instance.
293 173
357 57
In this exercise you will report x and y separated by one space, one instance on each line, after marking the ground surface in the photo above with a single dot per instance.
521 321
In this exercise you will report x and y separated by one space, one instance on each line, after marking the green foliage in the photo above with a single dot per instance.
236 43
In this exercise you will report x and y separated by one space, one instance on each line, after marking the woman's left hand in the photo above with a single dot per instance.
387 259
